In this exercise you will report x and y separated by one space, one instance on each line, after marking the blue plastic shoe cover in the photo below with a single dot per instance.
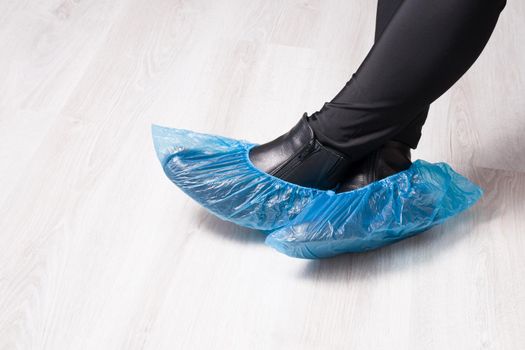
217 173
379 214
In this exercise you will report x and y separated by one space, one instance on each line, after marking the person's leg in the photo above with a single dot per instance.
393 156
411 134
425 48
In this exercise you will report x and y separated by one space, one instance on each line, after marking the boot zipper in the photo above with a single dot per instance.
290 165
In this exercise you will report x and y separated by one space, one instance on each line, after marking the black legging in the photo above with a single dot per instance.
422 47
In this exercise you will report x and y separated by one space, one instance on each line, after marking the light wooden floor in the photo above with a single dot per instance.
98 250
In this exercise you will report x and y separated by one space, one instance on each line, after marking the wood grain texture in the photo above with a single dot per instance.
98 250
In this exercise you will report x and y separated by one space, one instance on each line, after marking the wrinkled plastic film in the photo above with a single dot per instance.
216 172
379 214
308 223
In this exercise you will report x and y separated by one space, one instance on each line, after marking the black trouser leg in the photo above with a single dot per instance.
425 47
411 134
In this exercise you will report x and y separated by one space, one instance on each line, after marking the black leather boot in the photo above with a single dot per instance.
298 157
387 160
